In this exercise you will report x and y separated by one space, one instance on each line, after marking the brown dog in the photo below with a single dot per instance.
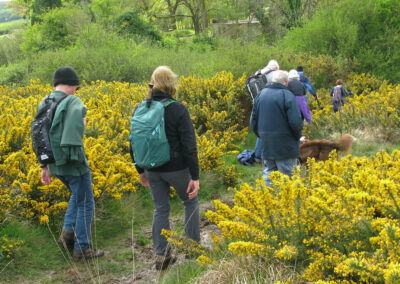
320 149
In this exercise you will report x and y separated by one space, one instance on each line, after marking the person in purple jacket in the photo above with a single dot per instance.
298 89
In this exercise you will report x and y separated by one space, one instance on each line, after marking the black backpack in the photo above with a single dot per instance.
247 157
40 128
255 83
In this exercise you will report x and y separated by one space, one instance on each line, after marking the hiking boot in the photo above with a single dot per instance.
66 239
162 262
87 253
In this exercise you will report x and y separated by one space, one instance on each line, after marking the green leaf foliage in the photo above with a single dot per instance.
39 7
132 23
59 28
367 30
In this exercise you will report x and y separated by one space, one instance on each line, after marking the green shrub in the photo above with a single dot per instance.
103 63
9 48
132 23
204 42
59 29
9 27
14 72
100 53
347 30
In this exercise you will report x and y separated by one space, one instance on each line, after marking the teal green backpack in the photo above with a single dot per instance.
148 139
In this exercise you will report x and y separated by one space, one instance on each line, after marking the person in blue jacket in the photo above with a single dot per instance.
276 119
338 93
269 72
306 82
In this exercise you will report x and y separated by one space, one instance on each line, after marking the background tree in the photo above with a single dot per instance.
260 11
20 7
198 14
172 8
291 10
104 10
40 7
229 10
132 23
295 12
204 14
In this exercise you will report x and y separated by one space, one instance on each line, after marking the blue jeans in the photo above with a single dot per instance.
159 186
78 217
258 149
283 166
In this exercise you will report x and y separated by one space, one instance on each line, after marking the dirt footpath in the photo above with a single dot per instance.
144 255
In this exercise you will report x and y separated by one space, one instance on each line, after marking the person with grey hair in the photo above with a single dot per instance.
298 89
276 119
268 71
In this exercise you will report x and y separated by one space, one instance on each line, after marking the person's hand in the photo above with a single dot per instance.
193 188
45 176
143 180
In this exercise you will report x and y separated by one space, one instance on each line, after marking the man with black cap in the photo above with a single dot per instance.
306 82
71 165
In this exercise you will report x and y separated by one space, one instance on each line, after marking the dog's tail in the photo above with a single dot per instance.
345 143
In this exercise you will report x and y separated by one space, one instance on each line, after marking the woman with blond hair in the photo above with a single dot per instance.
181 172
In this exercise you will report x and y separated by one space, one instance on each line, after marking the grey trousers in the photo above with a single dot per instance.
159 186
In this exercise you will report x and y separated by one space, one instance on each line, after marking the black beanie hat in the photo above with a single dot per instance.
299 69
65 75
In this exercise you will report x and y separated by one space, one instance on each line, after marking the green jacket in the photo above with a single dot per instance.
66 137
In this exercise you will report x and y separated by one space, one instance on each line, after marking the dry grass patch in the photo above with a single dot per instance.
246 269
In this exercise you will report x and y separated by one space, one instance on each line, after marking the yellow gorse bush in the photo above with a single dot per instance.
373 108
213 103
189 246
8 248
339 221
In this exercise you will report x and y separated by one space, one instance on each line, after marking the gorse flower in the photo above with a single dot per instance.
213 103
373 106
339 219
8 248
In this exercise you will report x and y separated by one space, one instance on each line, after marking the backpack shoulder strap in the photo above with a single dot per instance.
269 71
166 102
55 103
58 99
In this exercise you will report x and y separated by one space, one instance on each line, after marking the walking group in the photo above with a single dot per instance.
279 109
277 117
65 115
